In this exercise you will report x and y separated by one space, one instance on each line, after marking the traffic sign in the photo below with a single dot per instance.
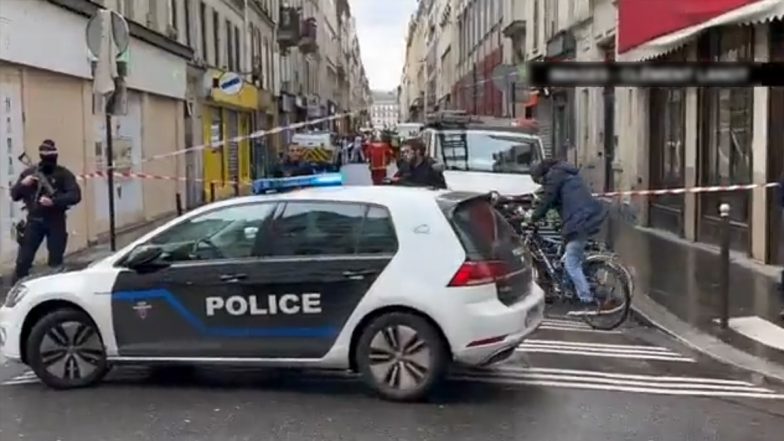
230 83
120 33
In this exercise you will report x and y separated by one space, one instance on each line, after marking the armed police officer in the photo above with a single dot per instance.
48 191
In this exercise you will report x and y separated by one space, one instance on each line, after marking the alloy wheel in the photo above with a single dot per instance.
71 350
399 357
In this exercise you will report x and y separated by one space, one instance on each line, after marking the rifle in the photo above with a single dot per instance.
44 188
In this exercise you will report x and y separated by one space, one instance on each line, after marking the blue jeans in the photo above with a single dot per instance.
574 257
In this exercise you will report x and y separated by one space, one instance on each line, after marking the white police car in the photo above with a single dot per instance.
395 283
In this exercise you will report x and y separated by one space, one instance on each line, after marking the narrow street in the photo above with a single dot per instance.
566 382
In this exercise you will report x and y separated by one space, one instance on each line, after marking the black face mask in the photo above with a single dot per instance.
48 163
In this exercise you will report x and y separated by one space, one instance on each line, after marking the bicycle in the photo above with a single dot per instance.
546 248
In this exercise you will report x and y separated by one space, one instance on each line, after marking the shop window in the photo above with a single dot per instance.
726 135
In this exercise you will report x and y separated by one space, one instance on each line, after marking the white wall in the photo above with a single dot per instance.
39 34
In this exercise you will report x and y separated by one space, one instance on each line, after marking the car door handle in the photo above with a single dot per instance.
233 277
358 274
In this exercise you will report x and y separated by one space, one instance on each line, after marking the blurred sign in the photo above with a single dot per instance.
120 34
230 83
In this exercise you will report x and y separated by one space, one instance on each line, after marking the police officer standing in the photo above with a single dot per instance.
46 204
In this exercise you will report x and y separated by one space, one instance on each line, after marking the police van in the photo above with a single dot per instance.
483 155
393 283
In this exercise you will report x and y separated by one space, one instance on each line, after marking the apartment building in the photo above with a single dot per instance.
414 77
46 92
385 111
316 73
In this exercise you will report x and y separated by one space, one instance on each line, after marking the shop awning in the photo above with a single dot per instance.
650 28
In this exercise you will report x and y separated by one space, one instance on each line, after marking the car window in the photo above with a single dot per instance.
315 228
378 233
225 233
489 152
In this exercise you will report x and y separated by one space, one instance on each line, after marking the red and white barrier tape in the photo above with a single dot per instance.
133 175
254 135
669 191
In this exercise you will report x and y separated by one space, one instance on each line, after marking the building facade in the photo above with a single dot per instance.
46 92
324 69
695 137
385 110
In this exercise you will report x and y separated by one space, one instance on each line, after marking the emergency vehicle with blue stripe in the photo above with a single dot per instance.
396 284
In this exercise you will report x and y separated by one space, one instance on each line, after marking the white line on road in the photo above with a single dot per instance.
546 327
561 322
599 350
673 379
632 389
598 345
566 351
652 382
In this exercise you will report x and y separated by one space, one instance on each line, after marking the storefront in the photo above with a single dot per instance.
228 123
667 113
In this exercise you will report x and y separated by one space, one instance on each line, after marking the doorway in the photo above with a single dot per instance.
775 160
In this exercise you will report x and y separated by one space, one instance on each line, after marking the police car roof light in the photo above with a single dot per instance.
262 186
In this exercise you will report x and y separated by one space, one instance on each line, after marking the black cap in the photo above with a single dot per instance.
47 146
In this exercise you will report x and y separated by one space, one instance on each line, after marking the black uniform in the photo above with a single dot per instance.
45 222
422 175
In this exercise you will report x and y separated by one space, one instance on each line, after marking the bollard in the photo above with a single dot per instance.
178 202
212 192
236 188
724 265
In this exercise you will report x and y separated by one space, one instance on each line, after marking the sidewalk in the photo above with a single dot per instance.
681 278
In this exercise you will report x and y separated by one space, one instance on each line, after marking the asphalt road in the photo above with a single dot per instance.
565 383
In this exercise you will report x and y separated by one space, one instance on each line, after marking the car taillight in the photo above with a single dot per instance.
479 273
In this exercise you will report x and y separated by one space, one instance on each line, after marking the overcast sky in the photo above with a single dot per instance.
381 26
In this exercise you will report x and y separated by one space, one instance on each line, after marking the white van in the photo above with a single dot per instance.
408 130
484 158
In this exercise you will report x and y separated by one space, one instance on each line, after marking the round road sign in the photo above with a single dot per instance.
230 83
120 33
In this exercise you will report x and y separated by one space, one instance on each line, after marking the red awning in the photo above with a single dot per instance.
648 28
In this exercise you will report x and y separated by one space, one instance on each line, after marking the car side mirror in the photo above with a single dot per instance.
146 258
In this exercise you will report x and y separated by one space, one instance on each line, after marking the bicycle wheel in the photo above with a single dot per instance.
611 289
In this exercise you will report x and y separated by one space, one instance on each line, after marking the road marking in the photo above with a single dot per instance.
601 374
762 394
567 349
599 345
545 327
759 329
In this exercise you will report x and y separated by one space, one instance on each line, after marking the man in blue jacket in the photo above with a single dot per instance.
582 216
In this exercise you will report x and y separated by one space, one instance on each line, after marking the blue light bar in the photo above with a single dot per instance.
261 186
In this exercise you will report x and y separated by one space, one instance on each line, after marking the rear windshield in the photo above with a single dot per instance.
484 233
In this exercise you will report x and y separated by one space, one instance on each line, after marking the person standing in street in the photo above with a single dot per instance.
420 170
380 155
48 191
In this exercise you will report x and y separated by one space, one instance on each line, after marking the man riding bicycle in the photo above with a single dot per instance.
582 216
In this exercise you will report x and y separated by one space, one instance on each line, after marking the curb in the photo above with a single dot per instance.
651 313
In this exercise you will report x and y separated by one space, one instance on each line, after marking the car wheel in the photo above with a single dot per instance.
401 356
65 350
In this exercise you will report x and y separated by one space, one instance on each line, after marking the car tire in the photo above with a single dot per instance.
401 356
66 351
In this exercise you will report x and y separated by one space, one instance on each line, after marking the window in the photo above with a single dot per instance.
489 152
188 22
326 228
316 228
203 23
216 38
225 233
127 9
237 52
536 25
265 67
229 44
172 10
377 235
